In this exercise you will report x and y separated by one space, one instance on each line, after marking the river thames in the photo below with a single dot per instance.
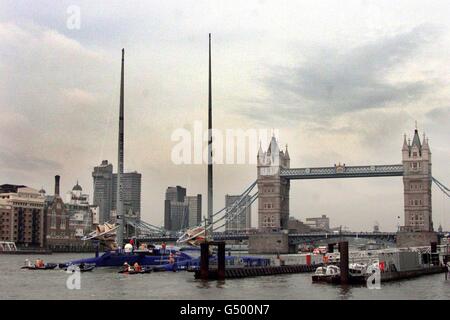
106 283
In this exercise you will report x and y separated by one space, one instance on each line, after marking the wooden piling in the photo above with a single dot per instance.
343 250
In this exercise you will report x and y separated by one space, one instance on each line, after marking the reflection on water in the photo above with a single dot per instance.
106 283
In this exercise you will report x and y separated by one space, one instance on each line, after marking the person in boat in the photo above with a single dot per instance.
128 248
171 258
137 267
126 267
39 263
27 263
163 247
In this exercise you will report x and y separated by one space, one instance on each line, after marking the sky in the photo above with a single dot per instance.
339 81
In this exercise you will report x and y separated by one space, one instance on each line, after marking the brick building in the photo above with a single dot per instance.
22 216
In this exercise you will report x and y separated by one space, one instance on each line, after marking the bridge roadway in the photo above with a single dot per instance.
342 171
294 238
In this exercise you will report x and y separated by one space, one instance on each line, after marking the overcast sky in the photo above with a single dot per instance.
341 81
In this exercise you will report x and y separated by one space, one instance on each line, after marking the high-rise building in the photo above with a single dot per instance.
176 194
103 190
176 210
243 220
22 216
105 187
194 209
181 211
131 193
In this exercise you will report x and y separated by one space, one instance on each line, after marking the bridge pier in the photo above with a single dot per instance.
406 239
270 243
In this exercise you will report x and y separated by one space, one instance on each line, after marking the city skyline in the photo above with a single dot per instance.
326 113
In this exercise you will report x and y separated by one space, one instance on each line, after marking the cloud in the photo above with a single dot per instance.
331 82
20 161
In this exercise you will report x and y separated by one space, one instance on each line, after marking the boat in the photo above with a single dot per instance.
147 257
144 270
47 266
329 274
357 269
81 268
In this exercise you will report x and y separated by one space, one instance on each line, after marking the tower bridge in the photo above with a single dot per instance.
275 175
271 190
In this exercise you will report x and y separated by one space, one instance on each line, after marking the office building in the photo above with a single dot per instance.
181 211
103 190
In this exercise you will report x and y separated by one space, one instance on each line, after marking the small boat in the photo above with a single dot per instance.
357 269
330 274
144 270
47 266
82 268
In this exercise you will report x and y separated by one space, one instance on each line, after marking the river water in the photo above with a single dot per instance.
106 283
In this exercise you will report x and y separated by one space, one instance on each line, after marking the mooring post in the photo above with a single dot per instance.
204 261
330 247
96 244
221 261
433 246
343 250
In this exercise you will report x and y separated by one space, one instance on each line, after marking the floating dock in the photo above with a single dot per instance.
245 272
384 276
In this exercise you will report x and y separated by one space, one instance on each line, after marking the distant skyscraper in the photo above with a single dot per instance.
195 209
103 190
243 221
105 186
176 194
176 210
181 211
131 193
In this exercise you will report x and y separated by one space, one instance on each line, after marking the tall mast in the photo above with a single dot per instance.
119 202
210 164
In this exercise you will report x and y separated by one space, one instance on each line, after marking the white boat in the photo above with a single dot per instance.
330 270
356 269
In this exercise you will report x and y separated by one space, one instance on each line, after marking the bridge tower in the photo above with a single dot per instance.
273 190
417 179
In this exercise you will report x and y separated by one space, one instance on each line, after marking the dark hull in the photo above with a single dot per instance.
49 266
134 272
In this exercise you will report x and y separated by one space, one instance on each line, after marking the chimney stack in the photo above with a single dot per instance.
57 185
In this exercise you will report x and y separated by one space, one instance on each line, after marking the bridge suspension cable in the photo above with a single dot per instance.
145 227
441 186
232 212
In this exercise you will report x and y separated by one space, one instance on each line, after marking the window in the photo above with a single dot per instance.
53 221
